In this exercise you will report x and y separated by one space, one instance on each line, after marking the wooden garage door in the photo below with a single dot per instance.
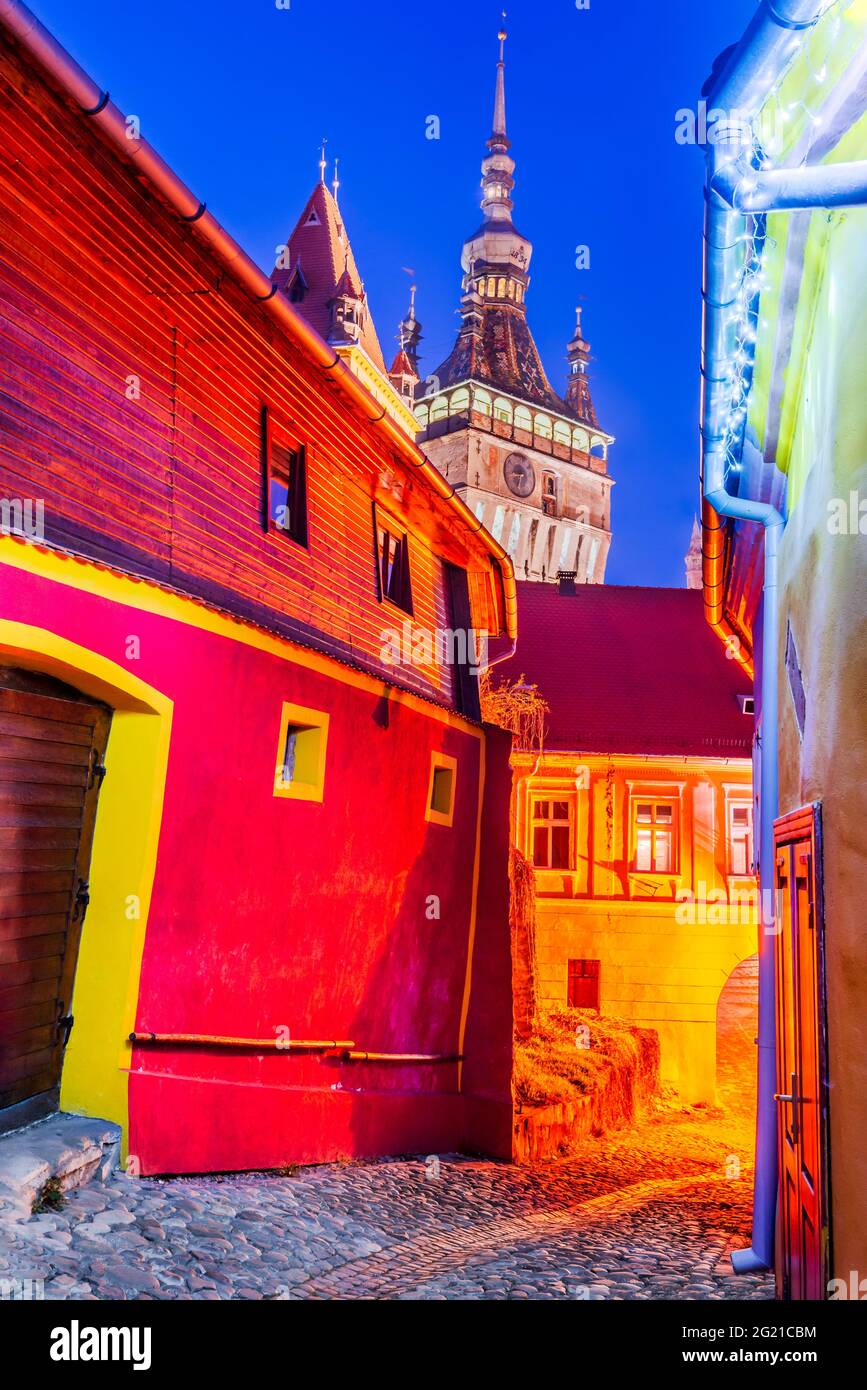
52 745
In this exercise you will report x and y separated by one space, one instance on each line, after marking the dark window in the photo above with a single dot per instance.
392 556
552 823
285 485
583 984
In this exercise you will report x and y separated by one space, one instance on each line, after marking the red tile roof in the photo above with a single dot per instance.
320 242
630 670
401 366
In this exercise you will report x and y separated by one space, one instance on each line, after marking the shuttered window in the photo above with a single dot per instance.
392 564
284 477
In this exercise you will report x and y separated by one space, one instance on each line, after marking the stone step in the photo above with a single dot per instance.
71 1148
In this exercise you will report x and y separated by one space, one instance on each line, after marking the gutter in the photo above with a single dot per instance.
735 194
97 106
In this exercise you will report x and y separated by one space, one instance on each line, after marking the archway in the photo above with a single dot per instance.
736 1030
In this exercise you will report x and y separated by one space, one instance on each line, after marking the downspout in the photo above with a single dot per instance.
733 194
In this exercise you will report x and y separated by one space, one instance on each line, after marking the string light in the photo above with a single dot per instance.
796 115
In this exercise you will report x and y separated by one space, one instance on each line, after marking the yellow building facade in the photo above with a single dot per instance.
645 897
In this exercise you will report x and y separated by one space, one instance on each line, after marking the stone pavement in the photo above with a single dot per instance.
648 1213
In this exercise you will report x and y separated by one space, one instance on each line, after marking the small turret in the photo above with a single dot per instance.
403 373
578 396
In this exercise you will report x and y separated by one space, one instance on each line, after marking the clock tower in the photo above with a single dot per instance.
532 465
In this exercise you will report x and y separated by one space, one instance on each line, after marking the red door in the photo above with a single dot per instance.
583 984
802 1093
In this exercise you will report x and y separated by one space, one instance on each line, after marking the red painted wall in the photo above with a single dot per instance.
270 913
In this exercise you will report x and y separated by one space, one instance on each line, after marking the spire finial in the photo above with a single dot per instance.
335 187
323 163
499 127
412 290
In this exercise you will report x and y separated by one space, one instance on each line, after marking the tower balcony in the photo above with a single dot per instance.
586 448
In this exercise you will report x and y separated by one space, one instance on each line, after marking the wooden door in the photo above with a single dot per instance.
52 746
802 1096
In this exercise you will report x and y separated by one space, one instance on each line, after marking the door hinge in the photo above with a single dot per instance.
97 769
82 900
64 1028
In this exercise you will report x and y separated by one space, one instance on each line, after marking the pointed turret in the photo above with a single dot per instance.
578 396
317 271
403 373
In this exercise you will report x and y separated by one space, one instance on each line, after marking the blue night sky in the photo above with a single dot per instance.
236 95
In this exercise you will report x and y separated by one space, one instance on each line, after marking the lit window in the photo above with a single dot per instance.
740 838
300 769
552 834
653 837
441 789
392 550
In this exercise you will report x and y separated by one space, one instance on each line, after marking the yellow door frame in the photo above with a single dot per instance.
96 1065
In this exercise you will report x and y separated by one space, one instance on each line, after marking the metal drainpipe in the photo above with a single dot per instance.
770 42
761 1253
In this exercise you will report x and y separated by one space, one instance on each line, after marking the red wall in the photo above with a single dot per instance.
270 913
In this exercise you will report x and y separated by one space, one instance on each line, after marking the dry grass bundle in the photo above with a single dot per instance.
518 707
572 1052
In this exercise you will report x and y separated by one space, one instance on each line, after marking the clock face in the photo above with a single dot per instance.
519 474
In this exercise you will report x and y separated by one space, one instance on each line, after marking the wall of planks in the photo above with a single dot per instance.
133 371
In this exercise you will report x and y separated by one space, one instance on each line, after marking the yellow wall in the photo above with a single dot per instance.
667 943
823 597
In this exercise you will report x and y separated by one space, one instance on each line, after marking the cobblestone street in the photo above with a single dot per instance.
643 1214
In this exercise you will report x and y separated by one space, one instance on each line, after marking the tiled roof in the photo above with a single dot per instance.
505 358
630 670
321 242
401 366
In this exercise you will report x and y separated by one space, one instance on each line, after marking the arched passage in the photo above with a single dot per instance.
736 1029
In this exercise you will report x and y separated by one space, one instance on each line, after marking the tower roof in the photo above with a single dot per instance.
495 344
502 356
320 244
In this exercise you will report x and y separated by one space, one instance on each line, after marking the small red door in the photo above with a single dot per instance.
802 1093
583 984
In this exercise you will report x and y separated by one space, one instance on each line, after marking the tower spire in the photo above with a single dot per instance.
335 187
498 166
498 129
323 163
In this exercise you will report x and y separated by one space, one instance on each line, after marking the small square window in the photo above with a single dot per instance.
441 789
300 770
